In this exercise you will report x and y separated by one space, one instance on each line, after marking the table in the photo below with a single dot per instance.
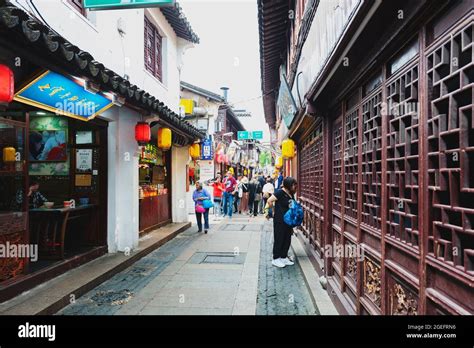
48 227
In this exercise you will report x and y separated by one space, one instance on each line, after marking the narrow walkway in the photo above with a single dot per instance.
281 291
225 272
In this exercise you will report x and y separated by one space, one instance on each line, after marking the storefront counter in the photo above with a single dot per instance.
154 211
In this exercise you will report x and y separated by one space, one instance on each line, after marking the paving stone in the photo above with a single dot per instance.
280 291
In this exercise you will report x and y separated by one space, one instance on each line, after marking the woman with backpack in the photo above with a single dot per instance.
282 232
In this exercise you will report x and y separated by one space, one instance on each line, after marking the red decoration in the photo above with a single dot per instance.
7 83
142 133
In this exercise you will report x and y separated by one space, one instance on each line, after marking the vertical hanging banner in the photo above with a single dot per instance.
206 149
124 4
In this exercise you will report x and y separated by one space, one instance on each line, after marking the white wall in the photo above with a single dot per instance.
98 35
123 211
329 23
179 159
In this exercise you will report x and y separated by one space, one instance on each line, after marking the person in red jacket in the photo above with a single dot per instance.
218 191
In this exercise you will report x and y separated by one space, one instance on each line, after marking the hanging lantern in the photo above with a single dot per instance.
220 158
164 139
279 162
195 151
7 83
142 133
9 154
288 148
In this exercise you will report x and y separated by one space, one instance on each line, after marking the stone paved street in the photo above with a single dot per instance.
226 272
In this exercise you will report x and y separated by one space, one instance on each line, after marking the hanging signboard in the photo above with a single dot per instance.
63 96
206 149
286 103
124 4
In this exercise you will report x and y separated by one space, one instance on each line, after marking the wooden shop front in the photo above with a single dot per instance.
67 159
396 145
155 188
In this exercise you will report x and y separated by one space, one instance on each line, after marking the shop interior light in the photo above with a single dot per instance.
7 84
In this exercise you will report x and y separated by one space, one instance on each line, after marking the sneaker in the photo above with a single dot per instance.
287 262
205 231
278 263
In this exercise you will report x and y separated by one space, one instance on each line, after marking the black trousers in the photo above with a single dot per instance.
255 207
281 239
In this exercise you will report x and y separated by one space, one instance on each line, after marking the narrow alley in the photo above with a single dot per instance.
225 272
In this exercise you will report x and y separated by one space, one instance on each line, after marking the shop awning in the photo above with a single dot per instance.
20 31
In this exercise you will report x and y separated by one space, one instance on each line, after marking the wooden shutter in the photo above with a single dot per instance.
149 44
153 50
158 51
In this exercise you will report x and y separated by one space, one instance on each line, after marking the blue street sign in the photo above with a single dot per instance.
206 149
257 135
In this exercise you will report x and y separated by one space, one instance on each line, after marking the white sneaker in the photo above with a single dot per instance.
287 262
278 263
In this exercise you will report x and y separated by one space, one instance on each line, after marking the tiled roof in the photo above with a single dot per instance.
202 91
175 16
273 25
19 28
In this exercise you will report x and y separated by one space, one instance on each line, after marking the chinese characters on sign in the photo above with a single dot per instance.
63 96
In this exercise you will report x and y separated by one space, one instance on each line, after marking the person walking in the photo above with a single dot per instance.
199 196
218 190
244 190
268 190
255 195
279 181
281 231
262 181
237 195
229 186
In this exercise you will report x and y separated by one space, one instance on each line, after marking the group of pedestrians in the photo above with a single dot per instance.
259 195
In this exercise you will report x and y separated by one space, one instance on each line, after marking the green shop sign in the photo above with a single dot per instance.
124 4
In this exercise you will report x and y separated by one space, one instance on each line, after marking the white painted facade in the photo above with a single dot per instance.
123 52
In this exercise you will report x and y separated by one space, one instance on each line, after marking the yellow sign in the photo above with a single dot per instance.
188 105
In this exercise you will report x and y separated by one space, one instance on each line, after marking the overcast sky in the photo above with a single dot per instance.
228 54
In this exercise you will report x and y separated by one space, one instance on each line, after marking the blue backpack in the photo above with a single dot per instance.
294 216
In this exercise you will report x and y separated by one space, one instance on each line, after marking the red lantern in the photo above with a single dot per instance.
7 89
142 133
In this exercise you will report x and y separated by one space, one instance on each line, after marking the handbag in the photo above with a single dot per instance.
207 204
200 209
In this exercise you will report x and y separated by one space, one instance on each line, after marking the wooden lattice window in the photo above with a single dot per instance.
451 151
372 160
402 156
351 163
311 179
153 50
337 167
